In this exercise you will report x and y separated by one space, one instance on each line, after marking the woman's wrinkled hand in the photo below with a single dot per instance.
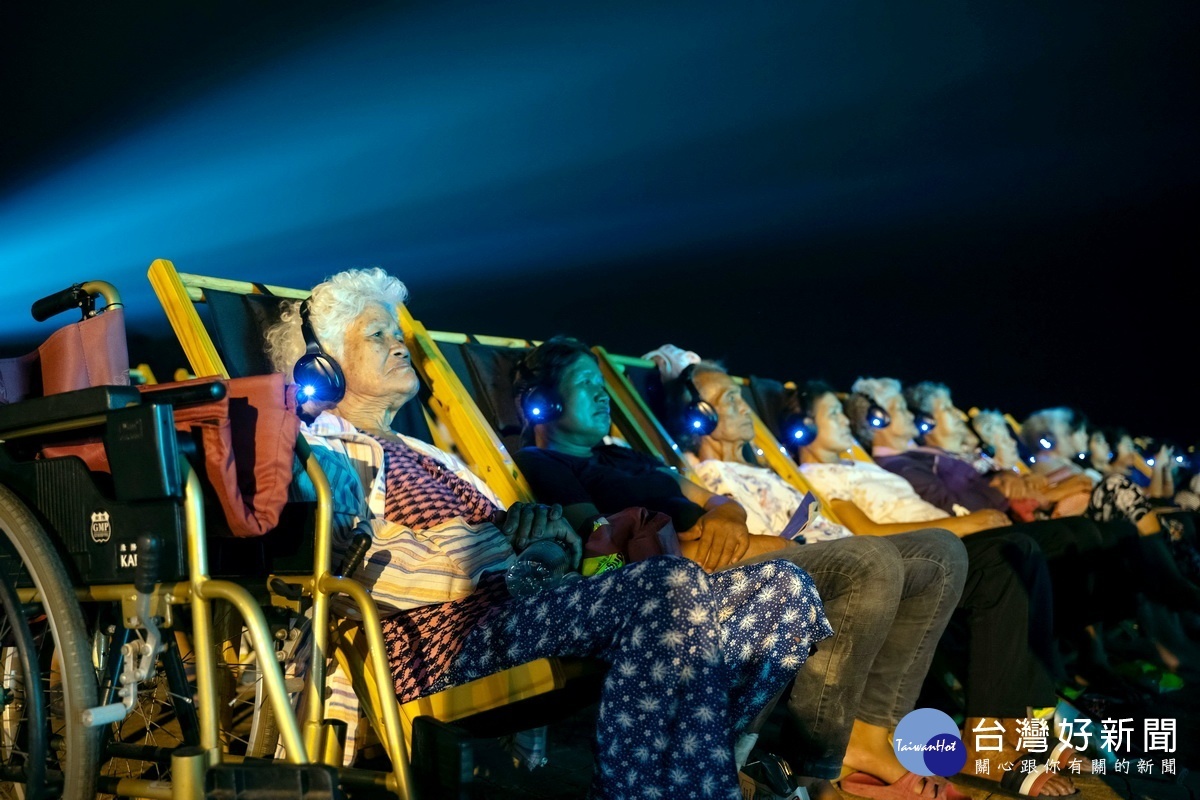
715 543
525 523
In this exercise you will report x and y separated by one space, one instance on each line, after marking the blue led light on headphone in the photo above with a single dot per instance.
696 417
1047 442
877 416
318 373
799 430
541 405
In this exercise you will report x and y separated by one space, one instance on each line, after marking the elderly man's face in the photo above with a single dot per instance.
586 417
375 359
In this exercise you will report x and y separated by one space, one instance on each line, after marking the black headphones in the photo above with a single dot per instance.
318 374
984 448
877 416
800 428
925 423
694 416
541 404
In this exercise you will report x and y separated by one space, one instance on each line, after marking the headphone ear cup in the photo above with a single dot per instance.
700 418
541 406
877 417
925 423
320 378
799 430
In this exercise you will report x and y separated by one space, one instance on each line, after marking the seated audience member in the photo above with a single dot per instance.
1086 557
567 462
1057 437
1029 495
997 443
1155 476
436 566
1096 561
1012 662
896 594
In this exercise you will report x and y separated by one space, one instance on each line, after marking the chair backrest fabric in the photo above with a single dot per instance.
91 352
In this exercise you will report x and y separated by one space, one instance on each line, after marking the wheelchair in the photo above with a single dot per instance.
120 638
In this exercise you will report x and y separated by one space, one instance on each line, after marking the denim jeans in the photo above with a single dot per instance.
888 599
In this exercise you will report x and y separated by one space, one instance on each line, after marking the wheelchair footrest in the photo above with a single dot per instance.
267 780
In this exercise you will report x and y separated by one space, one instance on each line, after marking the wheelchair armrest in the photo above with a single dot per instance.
190 393
64 408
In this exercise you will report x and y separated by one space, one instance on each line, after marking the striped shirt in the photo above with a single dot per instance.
408 565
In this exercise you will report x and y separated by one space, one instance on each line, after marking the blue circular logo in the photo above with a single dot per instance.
927 743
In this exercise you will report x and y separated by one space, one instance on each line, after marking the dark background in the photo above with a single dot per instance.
1000 196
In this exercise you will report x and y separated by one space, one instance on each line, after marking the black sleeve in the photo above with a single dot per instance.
552 480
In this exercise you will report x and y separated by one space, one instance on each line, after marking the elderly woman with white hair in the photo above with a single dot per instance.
685 681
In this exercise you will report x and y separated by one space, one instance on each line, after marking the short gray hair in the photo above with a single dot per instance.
920 396
335 304
862 393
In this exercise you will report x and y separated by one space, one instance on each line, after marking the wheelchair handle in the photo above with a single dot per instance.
355 553
77 296
149 563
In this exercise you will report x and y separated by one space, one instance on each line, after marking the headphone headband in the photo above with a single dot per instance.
319 375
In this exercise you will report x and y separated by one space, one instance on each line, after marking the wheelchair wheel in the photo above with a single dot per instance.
163 716
23 732
28 558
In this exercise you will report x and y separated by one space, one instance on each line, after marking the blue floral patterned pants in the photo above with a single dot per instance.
693 659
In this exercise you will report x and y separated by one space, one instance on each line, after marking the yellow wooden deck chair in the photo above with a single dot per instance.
454 412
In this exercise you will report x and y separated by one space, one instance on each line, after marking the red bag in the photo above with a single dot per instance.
630 535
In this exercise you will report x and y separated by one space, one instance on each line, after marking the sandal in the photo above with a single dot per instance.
864 785
1029 784
1063 754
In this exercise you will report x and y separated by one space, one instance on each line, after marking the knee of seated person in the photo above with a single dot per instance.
946 547
1023 546
872 556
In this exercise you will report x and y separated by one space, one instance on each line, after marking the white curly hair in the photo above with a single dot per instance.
335 304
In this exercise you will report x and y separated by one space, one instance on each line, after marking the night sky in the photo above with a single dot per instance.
1000 196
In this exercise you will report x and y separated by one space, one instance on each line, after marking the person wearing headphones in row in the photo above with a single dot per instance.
1089 559
693 658
1006 584
890 611
1166 538
1114 451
